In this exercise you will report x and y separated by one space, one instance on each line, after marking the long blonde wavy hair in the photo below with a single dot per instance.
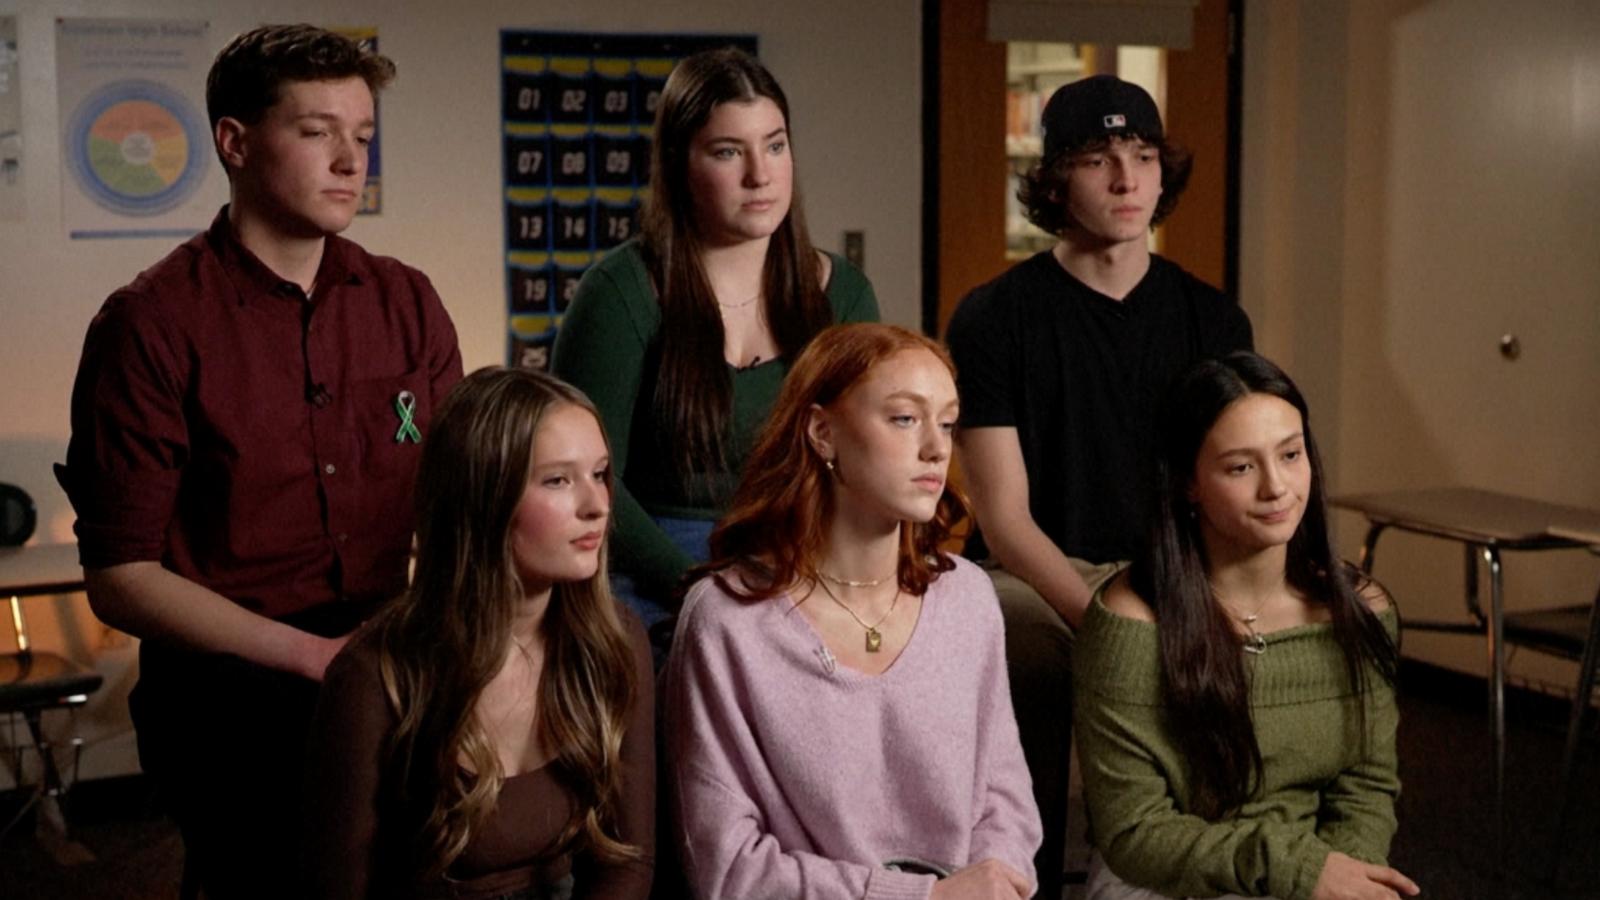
448 635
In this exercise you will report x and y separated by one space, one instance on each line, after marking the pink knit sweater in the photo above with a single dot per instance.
796 777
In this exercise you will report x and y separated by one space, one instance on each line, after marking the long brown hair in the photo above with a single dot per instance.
441 643
694 391
1206 687
777 525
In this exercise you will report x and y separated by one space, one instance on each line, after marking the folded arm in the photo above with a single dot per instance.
997 479
149 601
1148 841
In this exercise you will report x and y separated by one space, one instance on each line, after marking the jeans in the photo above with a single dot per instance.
660 613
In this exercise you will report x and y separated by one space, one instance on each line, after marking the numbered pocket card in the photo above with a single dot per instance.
576 115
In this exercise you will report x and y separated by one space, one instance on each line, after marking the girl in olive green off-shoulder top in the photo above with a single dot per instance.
1235 705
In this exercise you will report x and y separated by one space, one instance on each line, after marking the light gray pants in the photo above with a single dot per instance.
1039 660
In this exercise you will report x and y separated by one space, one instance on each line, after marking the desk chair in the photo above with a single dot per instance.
1570 632
32 682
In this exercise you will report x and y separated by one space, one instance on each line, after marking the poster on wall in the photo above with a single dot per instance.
135 141
576 112
372 194
10 123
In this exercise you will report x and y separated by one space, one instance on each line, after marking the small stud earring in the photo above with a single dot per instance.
829 464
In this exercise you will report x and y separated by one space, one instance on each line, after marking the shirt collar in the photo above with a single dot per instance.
338 266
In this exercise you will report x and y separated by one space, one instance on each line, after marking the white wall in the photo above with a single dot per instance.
1421 176
852 71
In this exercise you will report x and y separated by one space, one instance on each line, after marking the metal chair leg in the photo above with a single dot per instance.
1569 755
45 798
34 796
1497 700
50 776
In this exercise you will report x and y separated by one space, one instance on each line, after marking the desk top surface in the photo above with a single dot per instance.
37 569
1478 516
1582 534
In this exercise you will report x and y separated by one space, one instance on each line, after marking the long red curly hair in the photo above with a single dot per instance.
777 524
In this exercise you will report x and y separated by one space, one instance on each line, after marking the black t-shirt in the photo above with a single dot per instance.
1080 375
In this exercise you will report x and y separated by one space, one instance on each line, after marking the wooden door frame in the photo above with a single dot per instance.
963 203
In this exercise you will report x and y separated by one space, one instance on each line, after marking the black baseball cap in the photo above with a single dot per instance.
1097 107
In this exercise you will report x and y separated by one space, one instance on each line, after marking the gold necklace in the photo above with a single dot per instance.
874 637
849 582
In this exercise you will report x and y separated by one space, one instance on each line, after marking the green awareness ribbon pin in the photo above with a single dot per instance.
405 405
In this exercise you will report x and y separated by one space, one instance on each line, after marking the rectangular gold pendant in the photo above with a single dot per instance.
874 640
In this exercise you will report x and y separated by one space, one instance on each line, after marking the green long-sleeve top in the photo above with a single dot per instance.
607 347
1323 787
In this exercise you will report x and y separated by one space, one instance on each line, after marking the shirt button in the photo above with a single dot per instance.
343 537
329 468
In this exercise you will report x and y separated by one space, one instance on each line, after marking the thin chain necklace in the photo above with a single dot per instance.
850 582
874 637
1254 642
741 304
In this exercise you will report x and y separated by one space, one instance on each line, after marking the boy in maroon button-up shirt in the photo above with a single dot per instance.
245 430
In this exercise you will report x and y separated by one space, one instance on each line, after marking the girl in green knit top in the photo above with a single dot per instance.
1236 717
683 335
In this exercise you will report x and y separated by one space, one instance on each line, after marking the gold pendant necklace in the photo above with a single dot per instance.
874 636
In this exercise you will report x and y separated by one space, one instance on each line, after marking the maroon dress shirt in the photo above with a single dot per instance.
253 439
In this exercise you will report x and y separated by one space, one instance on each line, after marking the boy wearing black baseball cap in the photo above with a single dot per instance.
1061 360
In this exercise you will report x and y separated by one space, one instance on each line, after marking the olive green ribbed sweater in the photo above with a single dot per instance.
1323 789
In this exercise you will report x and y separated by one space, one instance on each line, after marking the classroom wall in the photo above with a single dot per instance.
1421 177
851 71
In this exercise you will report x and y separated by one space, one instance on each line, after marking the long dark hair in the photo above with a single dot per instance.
694 391
441 643
1206 689
777 524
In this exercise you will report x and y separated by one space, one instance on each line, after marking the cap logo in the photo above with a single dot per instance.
1116 121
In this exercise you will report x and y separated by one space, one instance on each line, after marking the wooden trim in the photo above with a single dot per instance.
968 152
930 167
1202 115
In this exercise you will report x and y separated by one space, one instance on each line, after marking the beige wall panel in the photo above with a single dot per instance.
1420 178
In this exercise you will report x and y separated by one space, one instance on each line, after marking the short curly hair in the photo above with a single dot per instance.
1042 188
248 75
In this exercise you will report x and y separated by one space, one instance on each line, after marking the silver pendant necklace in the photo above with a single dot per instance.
1255 642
